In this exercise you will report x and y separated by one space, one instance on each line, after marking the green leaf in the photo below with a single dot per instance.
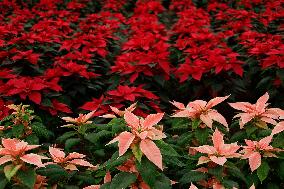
173 161
230 183
162 182
195 123
185 139
281 170
122 180
54 172
85 177
105 186
193 176
250 129
69 143
66 135
32 139
262 171
235 171
95 137
273 185
18 130
216 171
28 177
40 130
202 135
116 160
238 136
71 187
137 152
3 181
278 141
179 123
117 125
166 149
148 171
11 170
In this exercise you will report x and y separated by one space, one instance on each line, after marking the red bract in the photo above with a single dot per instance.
4 110
6 74
130 93
203 49
57 107
28 55
24 87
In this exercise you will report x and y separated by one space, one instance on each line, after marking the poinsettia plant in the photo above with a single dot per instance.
77 74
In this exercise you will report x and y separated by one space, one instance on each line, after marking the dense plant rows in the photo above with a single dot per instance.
138 73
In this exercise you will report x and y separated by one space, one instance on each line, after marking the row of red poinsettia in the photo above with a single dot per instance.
46 45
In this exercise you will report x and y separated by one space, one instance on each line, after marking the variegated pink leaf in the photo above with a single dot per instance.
183 113
107 177
33 159
152 152
217 100
192 186
205 149
254 161
178 105
217 139
261 103
197 104
278 128
125 139
132 120
151 120
216 116
218 160
81 162
5 159
207 120
93 187
56 153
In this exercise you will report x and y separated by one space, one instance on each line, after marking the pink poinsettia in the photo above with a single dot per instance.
118 112
219 152
257 149
257 112
68 162
81 120
202 110
142 132
14 150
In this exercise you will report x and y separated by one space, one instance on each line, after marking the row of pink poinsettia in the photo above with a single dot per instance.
145 130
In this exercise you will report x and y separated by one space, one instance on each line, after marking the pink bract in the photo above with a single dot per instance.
219 152
258 111
202 110
142 130
15 149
